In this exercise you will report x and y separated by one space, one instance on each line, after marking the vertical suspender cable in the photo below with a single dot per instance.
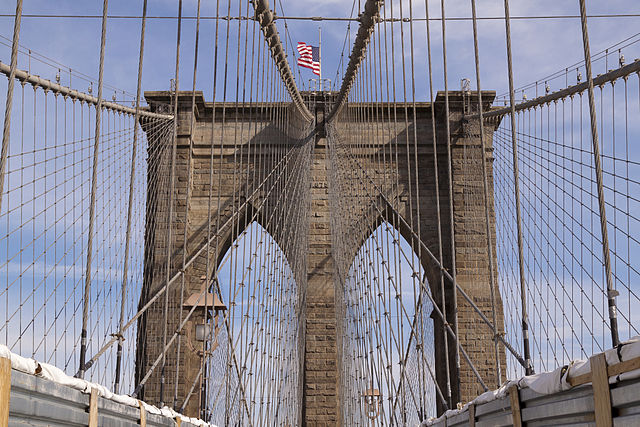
450 179
9 104
611 292
438 213
222 136
410 191
125 271
485 186
174 149
186 208
92 206
209 209
418 204
516 179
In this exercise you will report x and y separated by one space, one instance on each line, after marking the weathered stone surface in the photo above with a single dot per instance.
320 382
392 138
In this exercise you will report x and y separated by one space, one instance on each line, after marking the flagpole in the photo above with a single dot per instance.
320 54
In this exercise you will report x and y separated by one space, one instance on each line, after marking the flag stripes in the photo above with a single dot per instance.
309 57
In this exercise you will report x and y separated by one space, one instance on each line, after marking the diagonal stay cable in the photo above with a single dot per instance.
192 259
443 269
436 308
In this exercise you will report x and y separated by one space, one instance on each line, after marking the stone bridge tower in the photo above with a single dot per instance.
320 364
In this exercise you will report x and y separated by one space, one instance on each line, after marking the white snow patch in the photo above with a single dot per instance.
50 372
555 381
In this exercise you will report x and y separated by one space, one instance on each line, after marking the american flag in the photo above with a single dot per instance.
309 57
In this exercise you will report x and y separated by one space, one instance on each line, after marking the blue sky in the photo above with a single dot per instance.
541 47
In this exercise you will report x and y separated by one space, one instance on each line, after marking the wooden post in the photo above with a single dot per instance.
472 415
5 390
143 414
93 408
612 371
601 395
514 397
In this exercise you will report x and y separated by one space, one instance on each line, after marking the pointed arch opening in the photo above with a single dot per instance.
388 357
251 350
